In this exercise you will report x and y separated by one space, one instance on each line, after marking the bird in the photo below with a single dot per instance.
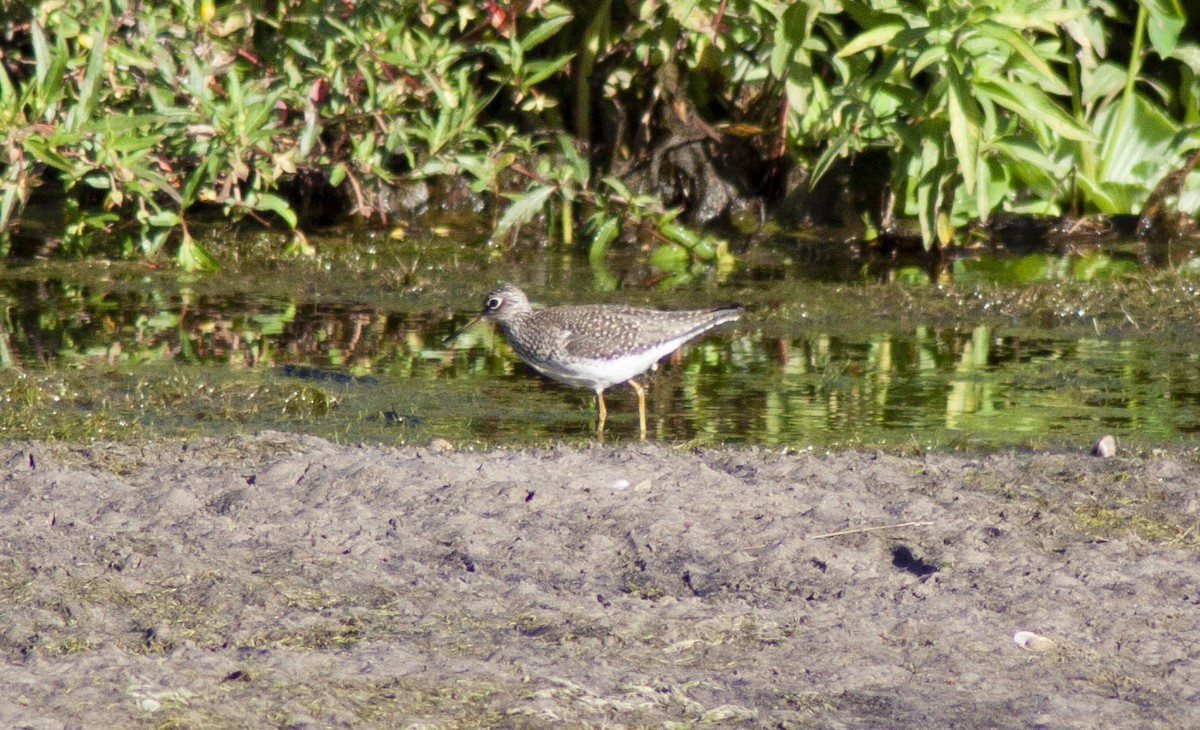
594 346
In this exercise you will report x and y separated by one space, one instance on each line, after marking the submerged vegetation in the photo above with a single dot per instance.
661 118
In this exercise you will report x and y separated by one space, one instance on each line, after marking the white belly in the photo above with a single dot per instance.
601 374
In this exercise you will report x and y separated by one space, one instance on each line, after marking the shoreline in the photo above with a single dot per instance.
279 579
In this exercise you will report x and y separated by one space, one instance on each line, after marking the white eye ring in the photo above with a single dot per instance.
494 303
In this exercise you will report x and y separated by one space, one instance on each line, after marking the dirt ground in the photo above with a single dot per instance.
278 580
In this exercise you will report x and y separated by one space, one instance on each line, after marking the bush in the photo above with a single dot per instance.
145 112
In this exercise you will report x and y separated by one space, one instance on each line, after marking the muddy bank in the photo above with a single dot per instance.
278 580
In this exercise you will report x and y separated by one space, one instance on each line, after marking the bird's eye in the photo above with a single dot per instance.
494 303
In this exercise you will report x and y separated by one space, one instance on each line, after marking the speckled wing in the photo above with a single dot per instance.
612 331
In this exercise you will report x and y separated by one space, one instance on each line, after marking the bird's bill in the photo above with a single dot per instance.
454 335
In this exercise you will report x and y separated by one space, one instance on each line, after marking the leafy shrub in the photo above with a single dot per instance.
156 109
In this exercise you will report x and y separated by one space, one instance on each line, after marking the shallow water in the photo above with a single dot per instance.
981 351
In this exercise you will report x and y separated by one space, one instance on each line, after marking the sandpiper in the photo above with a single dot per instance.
594 345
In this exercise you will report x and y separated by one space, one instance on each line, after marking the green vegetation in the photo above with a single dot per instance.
1028 106
648 119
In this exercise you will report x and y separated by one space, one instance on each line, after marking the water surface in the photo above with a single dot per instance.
975 352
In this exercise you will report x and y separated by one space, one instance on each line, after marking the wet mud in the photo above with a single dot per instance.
278 580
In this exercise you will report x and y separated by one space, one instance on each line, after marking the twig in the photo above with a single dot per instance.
867 529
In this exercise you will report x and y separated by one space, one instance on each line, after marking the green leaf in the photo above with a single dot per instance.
1165 24
201 175
928 190
983 190
524 208
1014 41
86 101
964 126
1036 169
124 126
606 232
619 187
515 59
873 38
866 14
275 204
8 203
46 154
1106 79
1044 18
153 239
1139 151
928 57
1109 198
8 93
539 71
41 52
789 34
194 257
679 233
311 131
837 147
123 56
1032 105
163 219
337 175
544 31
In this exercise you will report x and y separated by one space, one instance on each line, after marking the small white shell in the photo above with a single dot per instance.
1032 642
1105 447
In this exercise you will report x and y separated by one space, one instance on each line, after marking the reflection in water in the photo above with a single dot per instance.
953 387
177 361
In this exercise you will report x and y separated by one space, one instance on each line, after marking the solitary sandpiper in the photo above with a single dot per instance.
594 345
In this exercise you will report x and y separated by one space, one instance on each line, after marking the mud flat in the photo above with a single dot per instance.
277 580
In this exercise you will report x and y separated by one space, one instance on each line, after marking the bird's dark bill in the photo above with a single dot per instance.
454 335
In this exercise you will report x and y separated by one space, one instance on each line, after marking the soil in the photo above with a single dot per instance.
279 580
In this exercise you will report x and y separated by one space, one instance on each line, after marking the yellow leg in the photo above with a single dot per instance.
641 392
603 412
